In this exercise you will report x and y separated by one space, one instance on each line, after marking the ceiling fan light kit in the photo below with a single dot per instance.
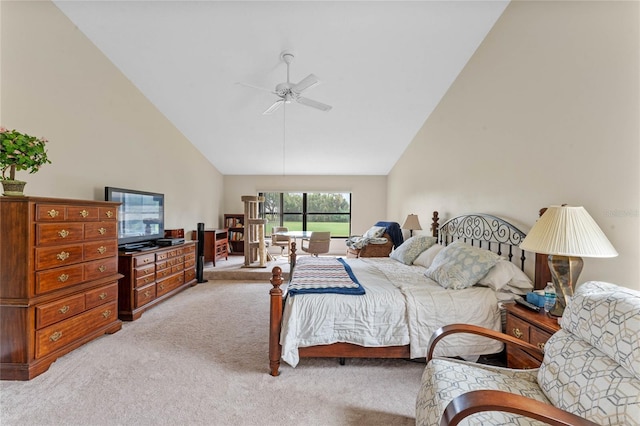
289 92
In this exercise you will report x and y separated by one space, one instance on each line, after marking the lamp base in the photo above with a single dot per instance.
564 274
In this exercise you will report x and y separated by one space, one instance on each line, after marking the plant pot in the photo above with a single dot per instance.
13 188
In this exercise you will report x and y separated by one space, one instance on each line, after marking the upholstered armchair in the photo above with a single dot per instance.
590 373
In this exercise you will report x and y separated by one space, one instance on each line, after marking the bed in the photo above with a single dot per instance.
401 306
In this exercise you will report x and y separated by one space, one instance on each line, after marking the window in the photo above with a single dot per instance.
308 211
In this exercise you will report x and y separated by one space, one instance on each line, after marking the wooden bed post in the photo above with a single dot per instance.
434 224
275 349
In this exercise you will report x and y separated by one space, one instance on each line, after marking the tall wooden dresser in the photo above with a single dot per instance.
58 279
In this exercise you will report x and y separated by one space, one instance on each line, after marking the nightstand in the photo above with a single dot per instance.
532 327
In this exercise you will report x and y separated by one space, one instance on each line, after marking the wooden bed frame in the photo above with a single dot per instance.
486 231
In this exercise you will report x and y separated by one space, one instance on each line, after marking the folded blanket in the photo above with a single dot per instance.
323 275
394 231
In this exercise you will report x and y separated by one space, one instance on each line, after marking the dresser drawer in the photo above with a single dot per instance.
100 268
53 257
538 337
143 260
100 230
51 313
164 255
144 295
189 274
54 279
145 280
518 328
163 273
169 284
61 334
58 233
145 270
101 295
82 213
100 249
50 212
108 213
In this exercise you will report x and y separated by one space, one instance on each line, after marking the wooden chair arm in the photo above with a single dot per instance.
474 329
492 400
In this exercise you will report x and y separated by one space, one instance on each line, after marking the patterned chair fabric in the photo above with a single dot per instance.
591 367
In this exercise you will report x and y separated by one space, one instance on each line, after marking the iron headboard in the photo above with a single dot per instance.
497 234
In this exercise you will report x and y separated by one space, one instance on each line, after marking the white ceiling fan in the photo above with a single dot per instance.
289 92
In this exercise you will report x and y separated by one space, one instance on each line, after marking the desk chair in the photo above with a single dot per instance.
281 241
318 243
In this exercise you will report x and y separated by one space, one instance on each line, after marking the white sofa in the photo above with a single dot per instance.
590 371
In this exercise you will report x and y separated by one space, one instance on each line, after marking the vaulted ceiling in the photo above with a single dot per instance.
383 67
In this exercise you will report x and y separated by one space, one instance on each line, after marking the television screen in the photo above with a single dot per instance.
140 216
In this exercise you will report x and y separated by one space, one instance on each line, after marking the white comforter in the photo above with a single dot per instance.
401 306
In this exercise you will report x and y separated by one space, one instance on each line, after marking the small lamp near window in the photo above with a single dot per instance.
411 223
566 234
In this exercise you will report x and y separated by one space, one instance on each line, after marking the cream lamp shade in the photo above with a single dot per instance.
412 223
568 231
566 234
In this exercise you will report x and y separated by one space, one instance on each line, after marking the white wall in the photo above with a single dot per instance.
545 112
368 196
102 131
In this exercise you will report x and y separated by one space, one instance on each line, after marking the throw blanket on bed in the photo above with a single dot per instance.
323 275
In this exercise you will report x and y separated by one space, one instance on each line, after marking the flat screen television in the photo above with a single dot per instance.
140 217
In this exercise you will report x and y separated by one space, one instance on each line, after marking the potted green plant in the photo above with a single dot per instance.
19 151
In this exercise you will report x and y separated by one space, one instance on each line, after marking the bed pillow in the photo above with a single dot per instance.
375 232
425 258
411 248
460 265
505 274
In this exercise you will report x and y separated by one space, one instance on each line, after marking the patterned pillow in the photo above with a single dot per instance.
411 248
460 265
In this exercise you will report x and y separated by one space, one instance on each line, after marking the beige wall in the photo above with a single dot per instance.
545 112
102 130
368 196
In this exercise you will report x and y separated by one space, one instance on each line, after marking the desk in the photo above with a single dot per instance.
216 244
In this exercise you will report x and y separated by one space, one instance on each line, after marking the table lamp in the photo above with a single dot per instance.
566 234
411 223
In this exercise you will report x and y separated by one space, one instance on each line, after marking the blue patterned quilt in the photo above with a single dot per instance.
323 275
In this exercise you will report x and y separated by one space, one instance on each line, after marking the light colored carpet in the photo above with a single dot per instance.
201 358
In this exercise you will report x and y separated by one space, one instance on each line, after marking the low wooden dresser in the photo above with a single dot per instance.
532 327
58 279
151 276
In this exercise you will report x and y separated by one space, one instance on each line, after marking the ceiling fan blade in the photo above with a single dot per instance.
314 104
306 83
255 87
273 107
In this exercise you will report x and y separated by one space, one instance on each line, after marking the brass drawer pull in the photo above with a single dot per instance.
53 213
102 268
517 333
109 213
55 336
147 294
102 231
63 255
107 313
541 346
102 296
84 213
102 249
63 233
64 309
161 286
63 277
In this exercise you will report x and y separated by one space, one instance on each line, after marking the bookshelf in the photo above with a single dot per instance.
235 224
